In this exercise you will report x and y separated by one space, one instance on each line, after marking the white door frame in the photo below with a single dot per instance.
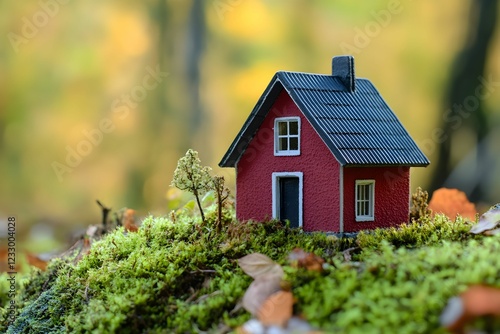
276 194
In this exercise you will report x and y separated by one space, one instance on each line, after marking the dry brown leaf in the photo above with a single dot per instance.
260 289
129 220
256 264
477 301
277 309
301 259
35 261
452 202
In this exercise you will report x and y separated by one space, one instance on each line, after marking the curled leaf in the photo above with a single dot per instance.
277 309
256 264
301 259
260 289
488 221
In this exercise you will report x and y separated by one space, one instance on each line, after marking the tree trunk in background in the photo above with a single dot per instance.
466 71
195 44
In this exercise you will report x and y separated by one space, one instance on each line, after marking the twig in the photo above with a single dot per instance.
105 213
87 293
202 298
236 308
203 271
347 253
193 296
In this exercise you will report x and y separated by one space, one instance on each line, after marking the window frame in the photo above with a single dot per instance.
371 201
277 136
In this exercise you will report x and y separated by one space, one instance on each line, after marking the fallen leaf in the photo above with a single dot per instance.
250 327
477 301
451 202
92 230
256 264
259 290
129 221
492 232
301 259
36 261
488 220
277 309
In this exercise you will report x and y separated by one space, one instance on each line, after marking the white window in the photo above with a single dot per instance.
287 136
365 200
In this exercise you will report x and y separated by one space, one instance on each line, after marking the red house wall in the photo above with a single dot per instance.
321 203
392 196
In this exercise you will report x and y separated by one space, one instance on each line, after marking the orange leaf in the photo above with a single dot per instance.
277 309
477 301
129 221
35 261
451 202
301 259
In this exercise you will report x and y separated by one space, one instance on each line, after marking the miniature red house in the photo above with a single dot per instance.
324 152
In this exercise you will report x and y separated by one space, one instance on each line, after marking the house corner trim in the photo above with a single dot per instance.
341 199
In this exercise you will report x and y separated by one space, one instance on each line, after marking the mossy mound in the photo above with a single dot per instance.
168 277
182 277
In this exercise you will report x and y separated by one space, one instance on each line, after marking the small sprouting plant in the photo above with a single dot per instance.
222 193
420 206
191 176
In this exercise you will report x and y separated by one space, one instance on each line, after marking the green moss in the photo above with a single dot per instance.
397 288
183 277
173 277
422 232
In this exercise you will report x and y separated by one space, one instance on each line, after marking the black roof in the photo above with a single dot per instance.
355 123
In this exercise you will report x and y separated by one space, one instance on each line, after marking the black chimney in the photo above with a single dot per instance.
343 68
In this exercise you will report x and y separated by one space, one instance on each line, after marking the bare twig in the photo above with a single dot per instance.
87 293
203 271
105 213
193 295
202 298
347 254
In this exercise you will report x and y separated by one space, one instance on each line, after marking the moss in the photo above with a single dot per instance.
174 277
422 232
178 277
396 288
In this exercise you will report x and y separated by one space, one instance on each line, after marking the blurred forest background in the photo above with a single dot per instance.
99 99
